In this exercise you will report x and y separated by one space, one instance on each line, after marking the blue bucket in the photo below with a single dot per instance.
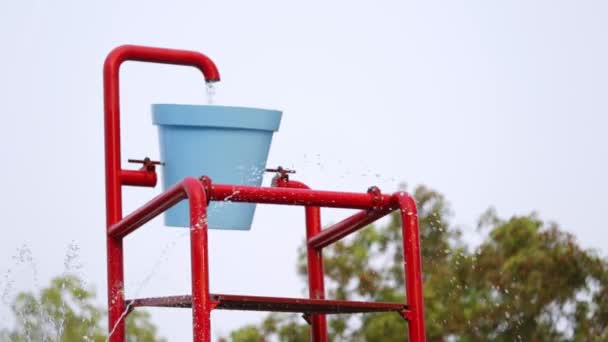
228 144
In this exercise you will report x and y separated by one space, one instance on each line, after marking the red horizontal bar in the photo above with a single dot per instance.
275 304
168 302
289 196
310 306
348 226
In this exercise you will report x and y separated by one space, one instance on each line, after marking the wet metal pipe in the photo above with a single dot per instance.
153 208
115 177
268 195
348 226
314 258
413 265
199 261
192 189
203 303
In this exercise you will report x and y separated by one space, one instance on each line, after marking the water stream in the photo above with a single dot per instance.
210 92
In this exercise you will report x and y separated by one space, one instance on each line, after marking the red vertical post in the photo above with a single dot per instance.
201 300
116 296
316 285
413 266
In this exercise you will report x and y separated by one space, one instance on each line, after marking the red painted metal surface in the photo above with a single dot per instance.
274 304
184 301
115 177
138 178
348 226
413 265
199 261
146 176
202 302
314 259
373 203
149 211
288 196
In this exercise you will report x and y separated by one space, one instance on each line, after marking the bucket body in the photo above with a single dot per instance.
228 144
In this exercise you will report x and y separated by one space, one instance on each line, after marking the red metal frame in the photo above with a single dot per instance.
199 192
314 259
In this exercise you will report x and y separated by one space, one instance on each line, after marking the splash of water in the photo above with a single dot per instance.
53 326
23 256
169 246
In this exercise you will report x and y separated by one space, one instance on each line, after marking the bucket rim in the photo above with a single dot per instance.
204 115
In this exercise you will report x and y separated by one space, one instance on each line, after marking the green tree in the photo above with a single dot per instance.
527 281
64 311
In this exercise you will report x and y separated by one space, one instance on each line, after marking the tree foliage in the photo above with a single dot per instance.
65 311
528 280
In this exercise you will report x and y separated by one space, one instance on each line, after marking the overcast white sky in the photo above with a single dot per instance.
497 103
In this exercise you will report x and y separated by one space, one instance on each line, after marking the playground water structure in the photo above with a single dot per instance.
200 191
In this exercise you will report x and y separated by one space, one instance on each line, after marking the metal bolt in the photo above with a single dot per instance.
146 161
280 170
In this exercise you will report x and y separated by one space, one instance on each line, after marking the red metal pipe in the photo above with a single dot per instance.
149 210
297 194
199 263
114 178
316 285
413 266
162 56
274 304
202 302
331 199
348 226
192 189
116 296
138 178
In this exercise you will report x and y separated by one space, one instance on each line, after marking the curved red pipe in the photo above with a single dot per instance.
412 265
115 176
111 67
